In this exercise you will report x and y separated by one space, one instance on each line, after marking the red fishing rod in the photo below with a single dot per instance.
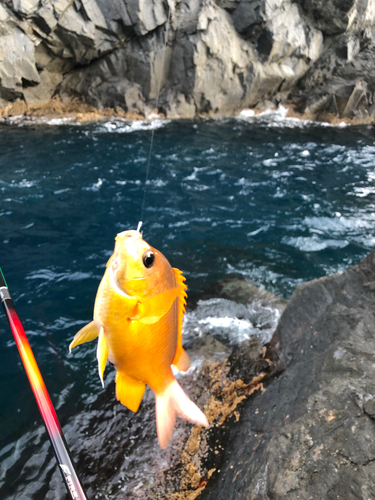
43 400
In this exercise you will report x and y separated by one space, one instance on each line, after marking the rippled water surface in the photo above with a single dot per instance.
276 201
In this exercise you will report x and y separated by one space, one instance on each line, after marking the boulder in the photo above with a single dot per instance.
311 434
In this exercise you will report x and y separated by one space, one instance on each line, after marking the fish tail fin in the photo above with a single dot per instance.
86 334
172 402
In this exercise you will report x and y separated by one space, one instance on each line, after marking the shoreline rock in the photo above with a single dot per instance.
56 112
311 434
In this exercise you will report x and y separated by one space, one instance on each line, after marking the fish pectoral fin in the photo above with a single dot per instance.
151 310
182 363
129 391
86 334
102 354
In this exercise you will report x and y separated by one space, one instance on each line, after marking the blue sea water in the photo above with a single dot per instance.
274 200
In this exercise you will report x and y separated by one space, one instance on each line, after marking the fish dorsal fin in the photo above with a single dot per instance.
180 283
102 354
129 391
86 334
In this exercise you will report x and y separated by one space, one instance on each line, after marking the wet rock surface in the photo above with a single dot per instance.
291 419
117 452
207 57
311 434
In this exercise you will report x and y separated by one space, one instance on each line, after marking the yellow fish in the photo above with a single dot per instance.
138 315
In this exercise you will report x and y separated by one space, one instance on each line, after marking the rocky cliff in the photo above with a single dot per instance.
207 56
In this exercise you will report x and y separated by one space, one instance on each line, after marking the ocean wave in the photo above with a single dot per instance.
48 275
278 118
231 322
341 225
23 183
314 243
63 323
121 126
25 121
95 187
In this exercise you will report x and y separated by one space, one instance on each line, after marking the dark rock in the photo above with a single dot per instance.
332 16
311 434
358 94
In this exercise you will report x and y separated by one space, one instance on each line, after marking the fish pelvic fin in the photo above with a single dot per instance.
183 362
102 354
86 334
129 391
180 353
172 402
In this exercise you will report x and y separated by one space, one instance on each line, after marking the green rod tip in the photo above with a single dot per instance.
1 272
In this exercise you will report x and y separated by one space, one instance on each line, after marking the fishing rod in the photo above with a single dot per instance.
43 400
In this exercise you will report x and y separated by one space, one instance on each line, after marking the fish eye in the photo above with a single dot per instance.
148 259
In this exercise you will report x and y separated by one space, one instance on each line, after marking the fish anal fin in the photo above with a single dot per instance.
129 391
102 354
86 334
183 362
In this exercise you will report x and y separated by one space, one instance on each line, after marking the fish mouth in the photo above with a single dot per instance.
130 234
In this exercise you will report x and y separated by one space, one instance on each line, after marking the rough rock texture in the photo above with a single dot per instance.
311 434
206 56
294 421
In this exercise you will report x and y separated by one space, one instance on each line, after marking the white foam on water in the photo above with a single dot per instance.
59 121
278 118
313 243
25 121
123 183
120 126
24 183
341 225
230 322
179 224
193 176
357 226
362 192
95 187
59 191
156 182
262 229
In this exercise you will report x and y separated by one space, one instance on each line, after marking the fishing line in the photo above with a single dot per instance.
153 130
